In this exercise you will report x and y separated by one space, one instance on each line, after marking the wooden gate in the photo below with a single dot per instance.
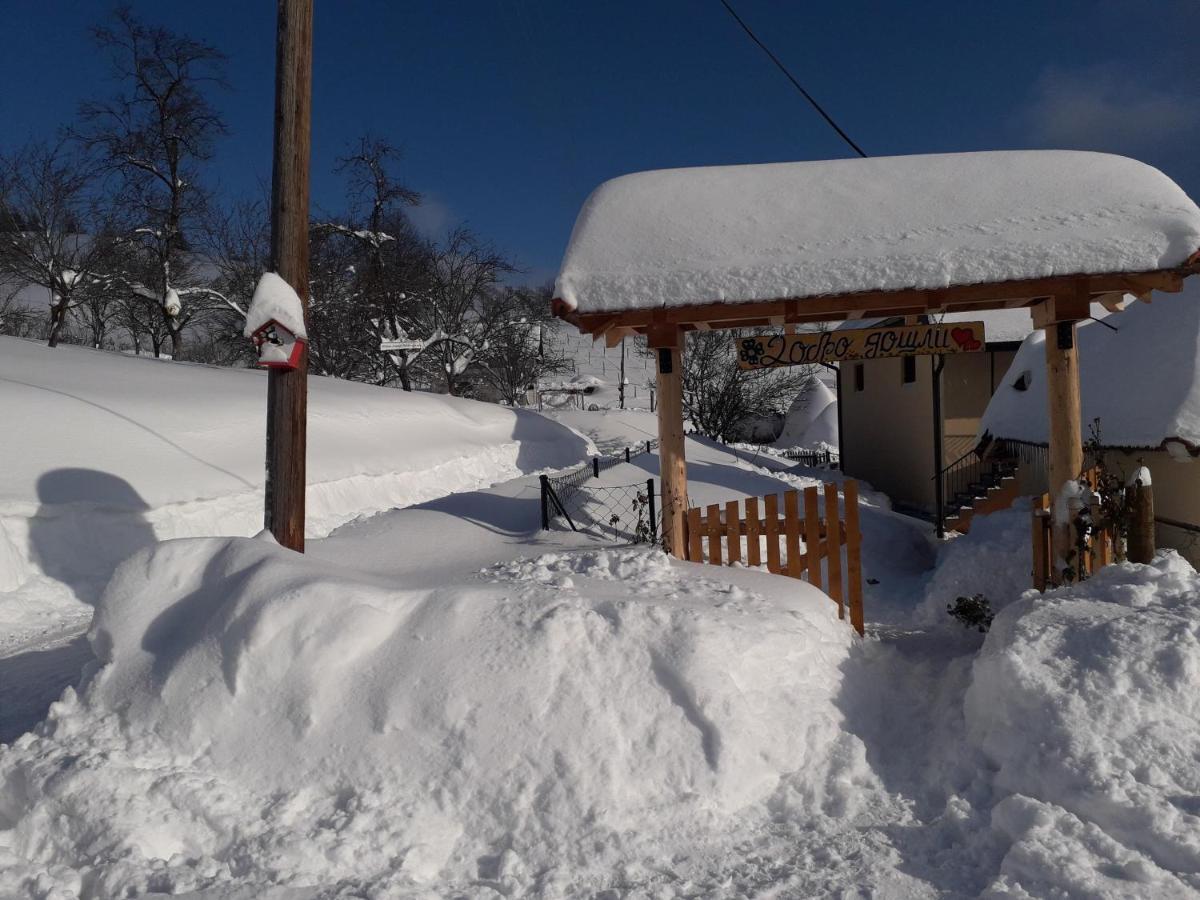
752 531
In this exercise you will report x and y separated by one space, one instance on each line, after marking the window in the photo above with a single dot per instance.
910 369
858 377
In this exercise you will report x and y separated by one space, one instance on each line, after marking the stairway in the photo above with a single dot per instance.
976 486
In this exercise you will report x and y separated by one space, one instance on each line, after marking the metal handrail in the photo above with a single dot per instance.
952 465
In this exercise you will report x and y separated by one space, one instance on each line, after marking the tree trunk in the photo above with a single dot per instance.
58 316
405 378
176 342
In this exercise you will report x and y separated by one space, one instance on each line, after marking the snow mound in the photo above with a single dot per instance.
1087 702
993 559
811 420
261 718
732 234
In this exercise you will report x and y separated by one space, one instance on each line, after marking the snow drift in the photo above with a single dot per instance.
1086 700
811 420
262 718
118 451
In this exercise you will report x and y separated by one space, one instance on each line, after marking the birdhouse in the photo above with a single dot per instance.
278 347
275 322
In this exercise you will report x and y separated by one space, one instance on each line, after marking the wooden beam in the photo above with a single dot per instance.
614 336
1066 422
664 336
881 304
1114 302
1069 306
604 326
673 465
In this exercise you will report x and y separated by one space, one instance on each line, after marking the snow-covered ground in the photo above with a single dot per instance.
106 453
441 700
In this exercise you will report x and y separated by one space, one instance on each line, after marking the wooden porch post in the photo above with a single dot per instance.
1057 317
667 343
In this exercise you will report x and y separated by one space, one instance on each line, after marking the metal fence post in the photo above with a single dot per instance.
626 454
653 512
595 467
647 446
545 481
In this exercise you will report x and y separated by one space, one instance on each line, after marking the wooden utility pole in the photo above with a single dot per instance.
667 343
287 389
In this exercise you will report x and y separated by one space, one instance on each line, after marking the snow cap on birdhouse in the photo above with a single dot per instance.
275 322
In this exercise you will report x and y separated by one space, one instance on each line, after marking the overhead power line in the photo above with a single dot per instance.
782 68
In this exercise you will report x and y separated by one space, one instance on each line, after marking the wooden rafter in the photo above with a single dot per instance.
876 304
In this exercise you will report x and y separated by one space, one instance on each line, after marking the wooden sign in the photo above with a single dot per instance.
765 351
387 346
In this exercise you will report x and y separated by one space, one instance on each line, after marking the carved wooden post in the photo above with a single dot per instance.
1140 495
667 342
1057 316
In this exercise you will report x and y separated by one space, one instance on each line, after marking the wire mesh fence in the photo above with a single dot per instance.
813 458
627 512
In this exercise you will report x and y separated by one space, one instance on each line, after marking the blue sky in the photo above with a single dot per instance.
510 111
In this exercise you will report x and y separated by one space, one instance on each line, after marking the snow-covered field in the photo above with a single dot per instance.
106 453
440 700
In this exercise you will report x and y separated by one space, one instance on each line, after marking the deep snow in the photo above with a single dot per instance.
440 700
1122 364
110 452
802 229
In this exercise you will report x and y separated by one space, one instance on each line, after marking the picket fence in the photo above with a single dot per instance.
737 532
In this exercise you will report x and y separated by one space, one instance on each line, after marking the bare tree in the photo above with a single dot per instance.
719 397
155 132
371 264
451 314
56 238
517 353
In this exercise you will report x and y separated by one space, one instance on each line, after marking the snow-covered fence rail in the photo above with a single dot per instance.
794 546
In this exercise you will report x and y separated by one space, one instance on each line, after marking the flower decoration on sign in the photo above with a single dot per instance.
752 350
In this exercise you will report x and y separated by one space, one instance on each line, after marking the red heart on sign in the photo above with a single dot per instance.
965 338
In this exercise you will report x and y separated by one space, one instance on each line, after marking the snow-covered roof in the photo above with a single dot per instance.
684 237
1142 381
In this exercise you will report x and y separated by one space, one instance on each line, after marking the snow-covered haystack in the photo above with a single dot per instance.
1087 702
811 420
263 718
